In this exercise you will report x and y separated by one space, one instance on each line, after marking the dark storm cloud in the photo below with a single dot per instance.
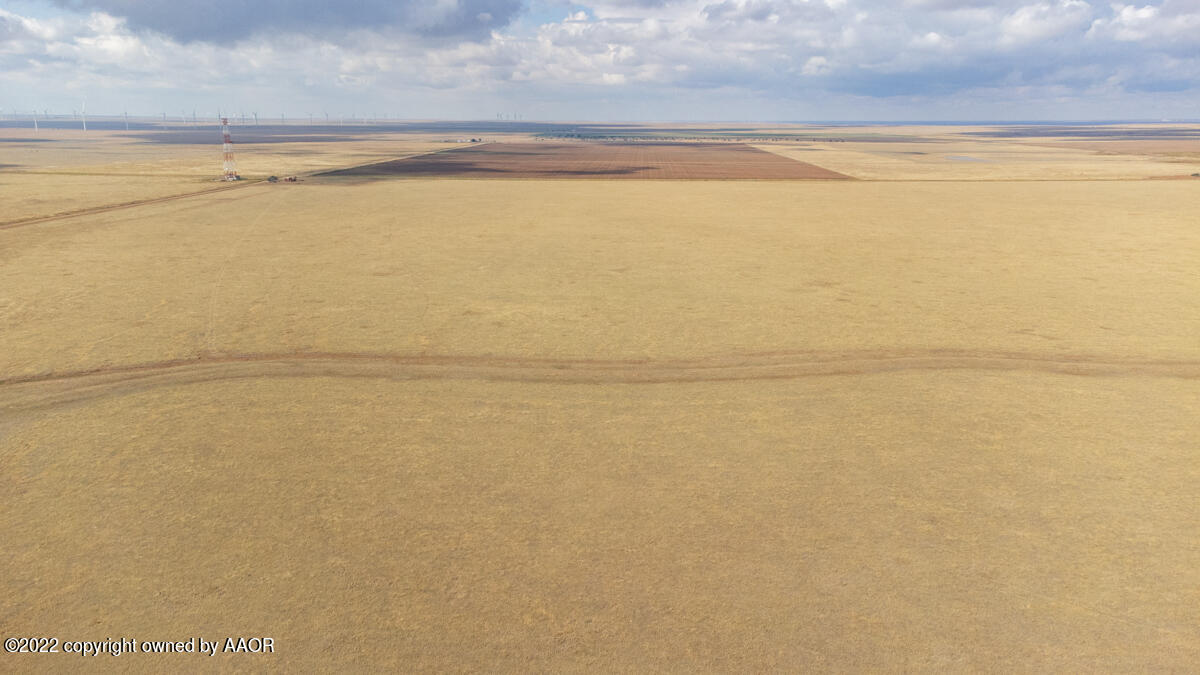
193 21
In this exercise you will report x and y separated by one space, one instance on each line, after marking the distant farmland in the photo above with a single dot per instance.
717 161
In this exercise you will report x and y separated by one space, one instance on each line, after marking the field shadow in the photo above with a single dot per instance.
426 168
582 160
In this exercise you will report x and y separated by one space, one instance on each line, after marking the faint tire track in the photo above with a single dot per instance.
105 208
124 205
52 388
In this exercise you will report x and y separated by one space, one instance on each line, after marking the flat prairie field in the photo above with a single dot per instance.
61 172
609 425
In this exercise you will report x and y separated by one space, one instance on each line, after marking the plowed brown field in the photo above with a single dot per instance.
721 161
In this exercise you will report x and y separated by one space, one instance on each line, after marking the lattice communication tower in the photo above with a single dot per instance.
229 165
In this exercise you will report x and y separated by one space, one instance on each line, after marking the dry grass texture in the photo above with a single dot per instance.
610 425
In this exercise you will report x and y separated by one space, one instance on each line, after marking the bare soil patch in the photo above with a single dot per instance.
599 160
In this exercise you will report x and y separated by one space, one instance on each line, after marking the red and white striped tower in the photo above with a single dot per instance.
229 165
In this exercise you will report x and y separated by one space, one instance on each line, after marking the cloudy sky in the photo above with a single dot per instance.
608 59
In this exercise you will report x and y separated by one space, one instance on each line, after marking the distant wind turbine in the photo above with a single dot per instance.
83 114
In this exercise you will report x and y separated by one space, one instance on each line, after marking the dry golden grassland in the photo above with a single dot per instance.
61 171
956 155
448 424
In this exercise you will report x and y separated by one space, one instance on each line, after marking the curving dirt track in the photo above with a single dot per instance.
60 387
